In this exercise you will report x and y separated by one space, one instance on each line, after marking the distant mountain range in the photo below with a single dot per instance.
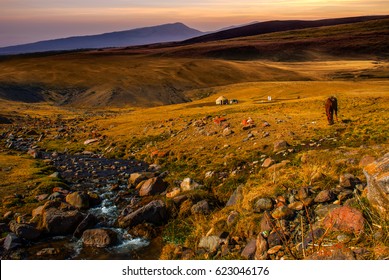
140 36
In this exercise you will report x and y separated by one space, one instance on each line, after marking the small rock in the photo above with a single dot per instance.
274 239
324 196
12 241
348 181
298 205
227 131
280 145
99 238
153 186
48 252
274 250
302 193
90 141
266 224
267 163
189 185
79 199
262 247
263 204
343 238
250 249
232 218
173 193
283 212
211 243
201 207
236 197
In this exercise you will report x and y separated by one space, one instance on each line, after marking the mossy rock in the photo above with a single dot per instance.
47 186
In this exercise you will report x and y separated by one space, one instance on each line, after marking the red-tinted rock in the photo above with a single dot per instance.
345 219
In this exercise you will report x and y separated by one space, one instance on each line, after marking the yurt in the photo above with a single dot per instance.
221 100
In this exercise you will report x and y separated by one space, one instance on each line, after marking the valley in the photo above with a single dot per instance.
138 130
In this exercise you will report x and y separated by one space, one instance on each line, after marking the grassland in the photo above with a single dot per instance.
107 92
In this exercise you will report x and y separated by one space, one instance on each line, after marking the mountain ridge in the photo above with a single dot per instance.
133 37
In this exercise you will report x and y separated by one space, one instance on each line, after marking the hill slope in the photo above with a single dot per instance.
140 36
276 26
168 73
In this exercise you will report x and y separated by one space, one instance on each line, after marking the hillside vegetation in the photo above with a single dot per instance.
164 74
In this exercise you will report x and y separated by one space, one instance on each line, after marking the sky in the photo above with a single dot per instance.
26 21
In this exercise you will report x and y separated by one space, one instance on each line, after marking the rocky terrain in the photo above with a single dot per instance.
101 206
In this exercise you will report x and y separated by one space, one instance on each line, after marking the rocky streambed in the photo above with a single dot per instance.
88 214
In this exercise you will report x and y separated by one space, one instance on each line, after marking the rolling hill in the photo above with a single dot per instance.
276 26
140 36
169 73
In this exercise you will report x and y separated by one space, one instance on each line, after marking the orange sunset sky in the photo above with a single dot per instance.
25 21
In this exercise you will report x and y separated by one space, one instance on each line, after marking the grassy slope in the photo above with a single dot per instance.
163 74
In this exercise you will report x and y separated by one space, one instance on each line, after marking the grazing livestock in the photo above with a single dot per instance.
331 108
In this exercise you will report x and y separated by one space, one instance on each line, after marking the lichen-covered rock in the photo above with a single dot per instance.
377 175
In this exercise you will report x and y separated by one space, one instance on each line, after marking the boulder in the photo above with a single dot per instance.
153 186
60 222
99 237
154 213
25 231
189 185
346 219
377 175
79 199
236 196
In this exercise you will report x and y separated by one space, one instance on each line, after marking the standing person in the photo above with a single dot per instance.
331 108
